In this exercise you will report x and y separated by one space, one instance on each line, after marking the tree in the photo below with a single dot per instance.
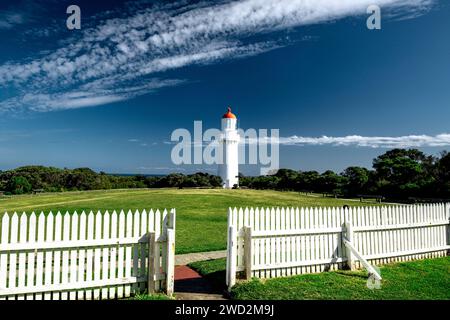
83 179
287 179
443 175
401 173
171 181
330 182
308 181
19 185
357 180
215 181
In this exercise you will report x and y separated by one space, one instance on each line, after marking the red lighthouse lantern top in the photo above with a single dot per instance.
229 115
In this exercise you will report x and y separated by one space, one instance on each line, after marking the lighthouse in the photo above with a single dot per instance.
229 142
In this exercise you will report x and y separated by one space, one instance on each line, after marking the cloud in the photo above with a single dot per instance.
105 61
10 19
140 142
23 13
410 141
93 94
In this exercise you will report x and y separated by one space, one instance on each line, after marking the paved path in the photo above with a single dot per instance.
189 285
185 259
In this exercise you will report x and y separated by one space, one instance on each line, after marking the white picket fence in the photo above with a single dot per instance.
86 256
276 242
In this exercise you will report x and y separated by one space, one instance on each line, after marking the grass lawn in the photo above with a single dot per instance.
201 213
150 297
418 280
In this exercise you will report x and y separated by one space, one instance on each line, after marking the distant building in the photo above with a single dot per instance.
229 170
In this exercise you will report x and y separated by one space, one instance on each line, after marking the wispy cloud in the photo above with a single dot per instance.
10 19
115 60
89 95
141 143
23 13
409 141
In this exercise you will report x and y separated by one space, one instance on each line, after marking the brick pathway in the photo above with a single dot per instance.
189 284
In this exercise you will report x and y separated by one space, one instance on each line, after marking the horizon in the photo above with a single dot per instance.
194 172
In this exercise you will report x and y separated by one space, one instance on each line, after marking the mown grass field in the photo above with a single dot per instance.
417 280
201 213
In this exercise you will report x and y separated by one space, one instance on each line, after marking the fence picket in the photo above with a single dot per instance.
73 269
48 256
120 254
22 255
283 240
135 249
40 254
82 254
316 239
164 226
157 262
309 245
57 255
4 256
143 250
272 241
105 253
327 237
97 254
128 251
13 256
277 241
113 264
265 241
257 242
65 255
321 242
90 254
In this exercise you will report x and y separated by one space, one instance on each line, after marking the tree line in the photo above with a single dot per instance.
49 179
396 174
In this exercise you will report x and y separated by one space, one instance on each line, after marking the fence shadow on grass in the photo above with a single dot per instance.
353 274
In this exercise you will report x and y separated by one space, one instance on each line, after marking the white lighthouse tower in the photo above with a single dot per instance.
229 170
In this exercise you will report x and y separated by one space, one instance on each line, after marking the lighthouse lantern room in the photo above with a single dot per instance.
229 169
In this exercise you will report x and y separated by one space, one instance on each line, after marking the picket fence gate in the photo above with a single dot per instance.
86 256
277 242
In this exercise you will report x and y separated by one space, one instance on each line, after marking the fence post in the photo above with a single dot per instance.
229 223
172 218
170 265
248 251
232 250
447 212
151 263
447 209
349 237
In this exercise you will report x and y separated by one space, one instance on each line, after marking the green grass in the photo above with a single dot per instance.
145 296
417 280
201 214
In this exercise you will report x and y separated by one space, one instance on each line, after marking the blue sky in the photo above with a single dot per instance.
108 96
